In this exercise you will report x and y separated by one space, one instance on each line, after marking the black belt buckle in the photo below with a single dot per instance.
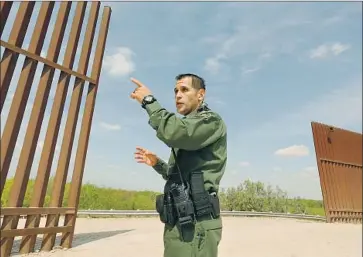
183 221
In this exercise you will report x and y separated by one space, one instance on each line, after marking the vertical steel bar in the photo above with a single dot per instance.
41 182
339 155
9 58
342 194
356 185
325 176
358 189
13 123
5 8
71 123
354 155
348 196
326 144
335 184
346 175
353 182
75 189
334 176
356 192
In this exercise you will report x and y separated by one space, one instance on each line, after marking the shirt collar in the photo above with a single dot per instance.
202 107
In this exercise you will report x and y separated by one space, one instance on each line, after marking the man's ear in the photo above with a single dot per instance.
201 94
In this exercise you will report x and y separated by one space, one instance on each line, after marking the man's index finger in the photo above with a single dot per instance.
138 83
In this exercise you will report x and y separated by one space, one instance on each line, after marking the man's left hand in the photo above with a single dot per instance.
140 92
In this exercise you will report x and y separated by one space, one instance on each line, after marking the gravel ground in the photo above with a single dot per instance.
250 237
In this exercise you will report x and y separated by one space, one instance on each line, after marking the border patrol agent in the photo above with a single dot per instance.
189 206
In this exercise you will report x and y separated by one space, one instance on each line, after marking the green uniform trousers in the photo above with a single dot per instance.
206 235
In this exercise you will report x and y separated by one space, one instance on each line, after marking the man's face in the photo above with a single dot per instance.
187 98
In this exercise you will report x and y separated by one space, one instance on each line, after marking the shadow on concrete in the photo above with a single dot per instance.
79 239
84 238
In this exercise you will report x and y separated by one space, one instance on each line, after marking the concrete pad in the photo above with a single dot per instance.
250 237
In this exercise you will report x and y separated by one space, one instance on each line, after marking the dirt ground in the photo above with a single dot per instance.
250 237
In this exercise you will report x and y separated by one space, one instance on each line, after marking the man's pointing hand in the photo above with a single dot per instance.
140 92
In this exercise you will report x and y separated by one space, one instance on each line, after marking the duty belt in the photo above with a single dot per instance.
184 203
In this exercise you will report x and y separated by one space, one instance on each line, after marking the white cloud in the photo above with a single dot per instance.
250 40
333 20
339 48
251 70
120 63
319 52
277 169
244 164
109 126
213 64
265 55
326 50
295 150
341 107
253 42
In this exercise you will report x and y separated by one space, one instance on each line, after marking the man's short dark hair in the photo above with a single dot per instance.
197 82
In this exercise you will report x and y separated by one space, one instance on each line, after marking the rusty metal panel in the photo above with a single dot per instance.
13 48
339 160
70 128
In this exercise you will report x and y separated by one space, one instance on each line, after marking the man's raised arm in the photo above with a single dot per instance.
189 133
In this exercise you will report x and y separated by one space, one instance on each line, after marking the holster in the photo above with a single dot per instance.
216 210
206 204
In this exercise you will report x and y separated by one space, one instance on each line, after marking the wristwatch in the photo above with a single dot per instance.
147 100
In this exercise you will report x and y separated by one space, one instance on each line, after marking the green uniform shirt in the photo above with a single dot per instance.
199 140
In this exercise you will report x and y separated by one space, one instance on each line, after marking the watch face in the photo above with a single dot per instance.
148 98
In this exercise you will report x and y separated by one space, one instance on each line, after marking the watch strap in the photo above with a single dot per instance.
146 102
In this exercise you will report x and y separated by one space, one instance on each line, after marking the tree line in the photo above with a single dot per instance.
248 196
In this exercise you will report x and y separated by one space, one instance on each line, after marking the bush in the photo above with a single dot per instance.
255 196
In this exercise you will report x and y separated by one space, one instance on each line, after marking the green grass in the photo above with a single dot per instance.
316 211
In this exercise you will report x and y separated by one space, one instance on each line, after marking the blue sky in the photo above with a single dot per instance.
270 69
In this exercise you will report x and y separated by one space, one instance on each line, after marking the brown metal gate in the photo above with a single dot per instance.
13 48
339 159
